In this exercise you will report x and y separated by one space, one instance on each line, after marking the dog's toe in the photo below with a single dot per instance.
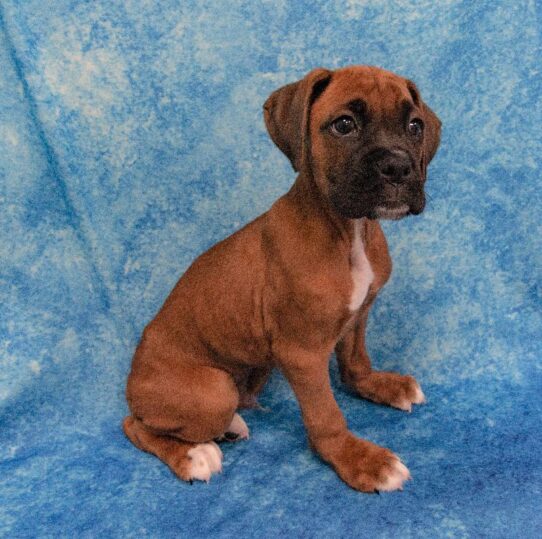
395 477
392 389
205 460
418 396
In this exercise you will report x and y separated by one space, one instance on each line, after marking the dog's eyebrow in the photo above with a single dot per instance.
406 109
357 106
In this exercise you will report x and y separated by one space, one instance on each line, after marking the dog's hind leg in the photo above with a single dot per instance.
236 431
251 386
178 408
187 460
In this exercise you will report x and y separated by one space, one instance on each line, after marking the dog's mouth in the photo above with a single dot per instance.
378 203
376 199
392 212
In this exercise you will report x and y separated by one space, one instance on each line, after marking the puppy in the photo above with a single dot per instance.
294 285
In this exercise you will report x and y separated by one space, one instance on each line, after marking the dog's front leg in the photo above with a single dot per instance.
389 388
362 464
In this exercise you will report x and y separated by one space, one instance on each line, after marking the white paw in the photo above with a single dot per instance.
206 459
239 427
237 430
419 397
395 479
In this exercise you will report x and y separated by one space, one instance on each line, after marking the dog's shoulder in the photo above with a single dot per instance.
376 248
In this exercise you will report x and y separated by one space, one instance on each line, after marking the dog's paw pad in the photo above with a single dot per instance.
395 477
205 460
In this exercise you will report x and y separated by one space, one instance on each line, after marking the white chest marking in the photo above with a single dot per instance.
360 269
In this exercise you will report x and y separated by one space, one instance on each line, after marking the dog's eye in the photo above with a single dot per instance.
343 126
415 127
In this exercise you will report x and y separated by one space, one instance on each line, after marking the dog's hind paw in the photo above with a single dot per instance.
237 430
205 460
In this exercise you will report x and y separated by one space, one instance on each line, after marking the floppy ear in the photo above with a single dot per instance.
286 114
432 126
432 132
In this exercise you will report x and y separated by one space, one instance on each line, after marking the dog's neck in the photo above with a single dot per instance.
312 204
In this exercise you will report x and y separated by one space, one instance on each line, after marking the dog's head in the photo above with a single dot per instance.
364 134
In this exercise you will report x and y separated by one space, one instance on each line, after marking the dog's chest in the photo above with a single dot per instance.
360 270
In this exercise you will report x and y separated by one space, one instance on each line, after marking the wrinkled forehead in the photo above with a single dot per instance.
381 92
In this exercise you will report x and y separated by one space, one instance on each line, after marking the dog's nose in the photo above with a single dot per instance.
394 167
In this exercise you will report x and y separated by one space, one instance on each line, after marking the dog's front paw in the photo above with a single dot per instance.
392 389
368 467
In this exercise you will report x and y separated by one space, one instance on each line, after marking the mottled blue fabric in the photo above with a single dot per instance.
131 139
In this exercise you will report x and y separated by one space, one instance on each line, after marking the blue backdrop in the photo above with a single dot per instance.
131 139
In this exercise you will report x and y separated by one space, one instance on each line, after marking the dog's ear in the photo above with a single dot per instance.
286 114
432 132
432 125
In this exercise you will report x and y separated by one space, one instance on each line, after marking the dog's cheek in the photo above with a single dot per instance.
339 200
417 203
334 183
349 202
321 160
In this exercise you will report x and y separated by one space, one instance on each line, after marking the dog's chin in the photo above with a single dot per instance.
383 211
379 203
392 213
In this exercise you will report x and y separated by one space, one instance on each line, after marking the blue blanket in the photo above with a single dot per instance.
131 139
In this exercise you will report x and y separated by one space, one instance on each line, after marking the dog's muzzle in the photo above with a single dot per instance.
380 184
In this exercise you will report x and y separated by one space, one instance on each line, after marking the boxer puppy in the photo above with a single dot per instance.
294 285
